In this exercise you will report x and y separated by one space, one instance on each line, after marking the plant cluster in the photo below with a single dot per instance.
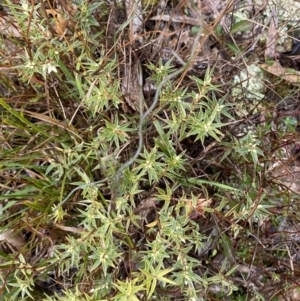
182 221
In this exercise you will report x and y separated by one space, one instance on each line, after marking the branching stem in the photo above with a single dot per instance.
116 184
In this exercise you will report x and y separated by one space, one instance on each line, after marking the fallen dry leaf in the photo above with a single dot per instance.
286 175
12 238
290 75
69 229
130 86
60 23
199 209
270 52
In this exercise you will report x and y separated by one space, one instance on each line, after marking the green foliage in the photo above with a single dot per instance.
62 148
